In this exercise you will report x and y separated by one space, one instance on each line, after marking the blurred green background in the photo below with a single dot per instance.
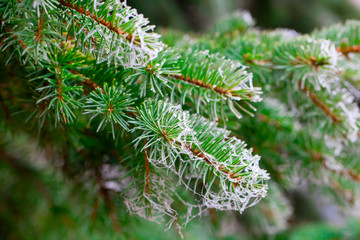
198 15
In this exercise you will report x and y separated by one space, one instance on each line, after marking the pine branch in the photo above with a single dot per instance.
101 59
346 36
111 103
344 172
87 81
94 41
202 79
320 104
172 134
346 50
39 36
99 20
201 84
147 170
118 34
305 52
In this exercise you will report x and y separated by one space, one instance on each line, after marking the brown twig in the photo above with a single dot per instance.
39 36
202 156
311 61
349 49
99 20
60 91
320 104
87 81
21 43
202 84
214 164
147 172
344 172
95 42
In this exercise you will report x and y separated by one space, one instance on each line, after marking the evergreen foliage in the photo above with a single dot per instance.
147 121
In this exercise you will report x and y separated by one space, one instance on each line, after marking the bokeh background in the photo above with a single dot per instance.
198 15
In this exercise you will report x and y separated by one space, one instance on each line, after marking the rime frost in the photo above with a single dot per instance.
130 42
191 147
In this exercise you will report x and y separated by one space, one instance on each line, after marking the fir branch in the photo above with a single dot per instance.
346 50
99 20
32 28
202 78
122 36
224 76
305 52
311 60
172 134
155 73
87 81
39 36
342 171
206 159
213 164
58 86
110 104
346 36
95 42
320 104
21 42
201 84
147 171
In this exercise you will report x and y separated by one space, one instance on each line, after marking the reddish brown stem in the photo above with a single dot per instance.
95 42
39 36
20 42
60 88
87 81
201 155
99 20
147 172
320 104
311 61
344 172
213 164
349 49
202 84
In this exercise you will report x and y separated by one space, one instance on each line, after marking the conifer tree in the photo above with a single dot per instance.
178 125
